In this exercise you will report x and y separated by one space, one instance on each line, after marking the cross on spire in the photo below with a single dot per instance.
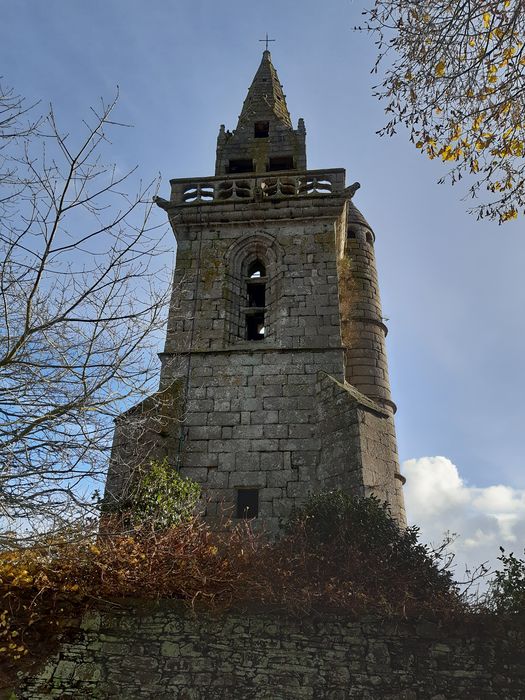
267 41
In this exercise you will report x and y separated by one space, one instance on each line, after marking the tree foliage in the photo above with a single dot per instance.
81 296
161 499
370 549
507 589
454 75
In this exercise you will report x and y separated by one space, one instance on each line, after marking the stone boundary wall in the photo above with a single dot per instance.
162 651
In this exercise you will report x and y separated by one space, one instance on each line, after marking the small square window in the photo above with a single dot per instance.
247 503
280 163
261 130
240 165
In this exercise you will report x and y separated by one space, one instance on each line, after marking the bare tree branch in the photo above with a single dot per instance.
83 291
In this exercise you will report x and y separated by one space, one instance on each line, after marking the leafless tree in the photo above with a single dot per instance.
454 75
82 294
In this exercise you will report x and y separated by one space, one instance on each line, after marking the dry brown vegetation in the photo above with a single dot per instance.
45 590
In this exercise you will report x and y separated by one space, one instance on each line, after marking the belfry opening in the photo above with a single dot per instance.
256 301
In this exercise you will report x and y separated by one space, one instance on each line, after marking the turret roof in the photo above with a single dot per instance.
355 216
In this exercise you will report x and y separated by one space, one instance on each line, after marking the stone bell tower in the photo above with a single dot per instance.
274 380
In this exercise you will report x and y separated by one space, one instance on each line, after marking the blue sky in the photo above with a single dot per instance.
452 287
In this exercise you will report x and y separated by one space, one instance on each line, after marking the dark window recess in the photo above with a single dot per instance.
261 130
281 163
255 326
248 503
350 233
256 269
240 165
256 293
255 301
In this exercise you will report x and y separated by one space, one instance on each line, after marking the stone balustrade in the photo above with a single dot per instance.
249 187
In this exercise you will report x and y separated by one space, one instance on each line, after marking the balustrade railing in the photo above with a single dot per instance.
277 185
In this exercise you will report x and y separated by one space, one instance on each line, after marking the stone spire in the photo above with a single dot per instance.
264 139
265 98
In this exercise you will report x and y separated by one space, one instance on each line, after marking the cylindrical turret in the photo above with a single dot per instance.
363 334
362 326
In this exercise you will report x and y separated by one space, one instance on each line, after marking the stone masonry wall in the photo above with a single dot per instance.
302 274
163 652
358 445
252 422
379 463
251 417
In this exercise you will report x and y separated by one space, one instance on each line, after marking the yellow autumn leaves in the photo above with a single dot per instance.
440 69
9 643
509 215
500 61
458 84
449 150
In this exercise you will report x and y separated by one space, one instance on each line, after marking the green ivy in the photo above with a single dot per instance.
163 498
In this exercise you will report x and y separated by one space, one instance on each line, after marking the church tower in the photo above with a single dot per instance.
274 380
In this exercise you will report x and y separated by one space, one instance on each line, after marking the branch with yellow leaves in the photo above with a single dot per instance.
453 73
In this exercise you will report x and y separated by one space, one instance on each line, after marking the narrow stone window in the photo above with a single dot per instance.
255 326
252 289
280 163
256 294
261 130
247 503
254 311
240 165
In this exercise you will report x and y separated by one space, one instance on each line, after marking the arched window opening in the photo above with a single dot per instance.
256 269
255 299
252 290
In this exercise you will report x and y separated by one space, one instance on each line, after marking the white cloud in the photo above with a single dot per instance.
439 501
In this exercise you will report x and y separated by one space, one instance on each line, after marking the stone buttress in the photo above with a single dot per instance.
274 380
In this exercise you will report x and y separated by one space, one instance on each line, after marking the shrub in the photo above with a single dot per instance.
161 498
340 553
45 589
506 593
355 545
